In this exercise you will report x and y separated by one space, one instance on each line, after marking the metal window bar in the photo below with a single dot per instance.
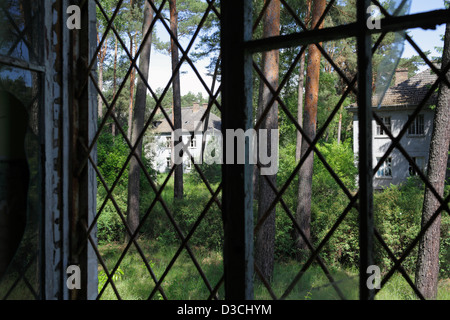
91 146
237 48
368 241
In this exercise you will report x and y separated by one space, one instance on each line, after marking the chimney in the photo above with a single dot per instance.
205 105
196 107
401 75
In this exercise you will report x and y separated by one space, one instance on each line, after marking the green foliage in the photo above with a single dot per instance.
102 277
329 201
212 173
112 153
209 233
397 212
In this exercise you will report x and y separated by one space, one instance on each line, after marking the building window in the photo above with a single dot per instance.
193 143
420 162
387 123
169 162
417 127
385 169
168 142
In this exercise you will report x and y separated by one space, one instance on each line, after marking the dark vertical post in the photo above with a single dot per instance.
365 149
237 202
84 117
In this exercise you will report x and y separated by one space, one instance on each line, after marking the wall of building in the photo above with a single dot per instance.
415 145
158 151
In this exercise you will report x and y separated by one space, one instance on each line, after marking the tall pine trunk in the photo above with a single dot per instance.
178 179
132 85
303 212
138 124
339 131
301 85
113 126
101 59
427 271
301 78
265 238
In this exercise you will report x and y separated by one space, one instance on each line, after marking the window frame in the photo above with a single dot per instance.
387 121
386 166
417 127
421 165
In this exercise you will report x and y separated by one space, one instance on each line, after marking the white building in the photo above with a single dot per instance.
159 148
398 104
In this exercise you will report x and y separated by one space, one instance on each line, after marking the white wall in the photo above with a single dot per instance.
415 146
159 153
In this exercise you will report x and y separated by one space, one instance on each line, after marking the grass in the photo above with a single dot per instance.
183 281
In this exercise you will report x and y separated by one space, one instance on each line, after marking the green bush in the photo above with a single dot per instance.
329 202
209 233
397 213
112 153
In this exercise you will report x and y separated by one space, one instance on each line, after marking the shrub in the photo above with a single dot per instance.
397 214
112 153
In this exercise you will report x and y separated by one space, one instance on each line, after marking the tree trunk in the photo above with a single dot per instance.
339 132
300 106
101 59
427 270
113 127
138 125
178 178
132 85
303 213
259 111
100 86
265 238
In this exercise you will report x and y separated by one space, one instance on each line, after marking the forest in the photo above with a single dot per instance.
144 216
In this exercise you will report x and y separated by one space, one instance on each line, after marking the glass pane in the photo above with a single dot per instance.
20 35
20 198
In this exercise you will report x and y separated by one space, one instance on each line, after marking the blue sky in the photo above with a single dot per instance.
160 66
425 39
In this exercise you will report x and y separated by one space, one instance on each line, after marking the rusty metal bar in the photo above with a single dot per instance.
427 20
364 99
237 203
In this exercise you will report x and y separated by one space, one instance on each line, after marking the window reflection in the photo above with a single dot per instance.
19 34
20 198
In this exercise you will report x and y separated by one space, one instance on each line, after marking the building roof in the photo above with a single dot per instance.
408 93
411 91
189 116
